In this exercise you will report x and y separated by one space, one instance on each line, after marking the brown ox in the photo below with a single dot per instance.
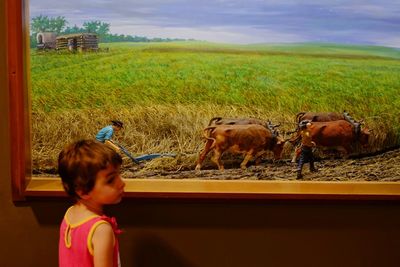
235 121
244 121
338 134
252 140
319 116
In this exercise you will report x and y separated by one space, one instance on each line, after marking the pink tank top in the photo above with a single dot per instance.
75 244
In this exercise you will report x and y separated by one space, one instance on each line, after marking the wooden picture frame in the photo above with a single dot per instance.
23 185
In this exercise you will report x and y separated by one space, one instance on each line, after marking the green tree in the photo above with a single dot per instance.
40 24
102 29
74 29
57 24
45 24
91 26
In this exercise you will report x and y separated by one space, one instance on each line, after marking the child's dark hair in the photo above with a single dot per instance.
79 163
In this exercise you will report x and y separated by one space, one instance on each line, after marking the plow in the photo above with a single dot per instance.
144 157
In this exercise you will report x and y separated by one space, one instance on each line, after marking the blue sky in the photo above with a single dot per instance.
371 22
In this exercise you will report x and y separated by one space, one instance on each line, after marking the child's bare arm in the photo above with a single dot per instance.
103 245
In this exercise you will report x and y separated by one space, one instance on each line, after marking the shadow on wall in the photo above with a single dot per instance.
151 251
48 211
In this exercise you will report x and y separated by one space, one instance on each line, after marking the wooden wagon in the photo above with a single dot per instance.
46 40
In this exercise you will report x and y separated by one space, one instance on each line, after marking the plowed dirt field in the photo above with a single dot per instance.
379 167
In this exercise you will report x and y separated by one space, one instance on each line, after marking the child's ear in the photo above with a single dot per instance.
81 194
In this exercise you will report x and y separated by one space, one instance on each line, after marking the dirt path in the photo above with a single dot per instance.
382 167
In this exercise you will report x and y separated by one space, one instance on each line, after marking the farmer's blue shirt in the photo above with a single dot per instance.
105 134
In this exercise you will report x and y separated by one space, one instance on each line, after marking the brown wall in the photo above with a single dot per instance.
188 233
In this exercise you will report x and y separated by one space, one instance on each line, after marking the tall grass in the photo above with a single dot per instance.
166 93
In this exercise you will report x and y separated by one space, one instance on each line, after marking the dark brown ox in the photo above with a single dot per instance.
235 121
319 116
338 134
252 140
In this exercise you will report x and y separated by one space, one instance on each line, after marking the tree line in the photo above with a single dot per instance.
59 25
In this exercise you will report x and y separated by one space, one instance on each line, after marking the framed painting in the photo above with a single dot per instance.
178 74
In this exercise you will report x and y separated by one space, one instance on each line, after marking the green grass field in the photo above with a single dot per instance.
167 92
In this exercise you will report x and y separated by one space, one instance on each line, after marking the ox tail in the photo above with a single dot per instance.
207 135
298 117
214 120
207 132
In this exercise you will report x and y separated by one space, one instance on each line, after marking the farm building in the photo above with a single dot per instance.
77 42
46 40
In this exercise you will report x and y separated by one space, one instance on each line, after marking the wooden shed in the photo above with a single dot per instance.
77 42
46 40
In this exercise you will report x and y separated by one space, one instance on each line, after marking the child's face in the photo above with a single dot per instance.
109 187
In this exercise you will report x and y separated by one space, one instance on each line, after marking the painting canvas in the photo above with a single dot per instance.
167 68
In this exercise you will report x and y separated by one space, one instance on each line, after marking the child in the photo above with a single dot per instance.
90 173
106 133
306 154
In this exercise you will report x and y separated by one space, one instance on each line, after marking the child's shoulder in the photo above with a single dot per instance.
77 216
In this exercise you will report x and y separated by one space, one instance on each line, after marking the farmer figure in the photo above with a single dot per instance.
105 134
306 154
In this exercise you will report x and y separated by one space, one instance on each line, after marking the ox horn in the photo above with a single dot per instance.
276 125
270 124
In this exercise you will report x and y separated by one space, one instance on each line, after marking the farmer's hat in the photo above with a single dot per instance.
118 123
